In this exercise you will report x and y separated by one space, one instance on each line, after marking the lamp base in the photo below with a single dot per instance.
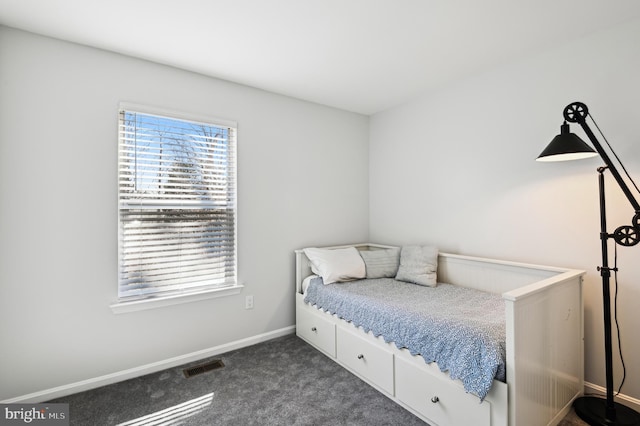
593 410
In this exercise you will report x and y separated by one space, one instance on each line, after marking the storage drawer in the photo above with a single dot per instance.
442 401
318 331
364 358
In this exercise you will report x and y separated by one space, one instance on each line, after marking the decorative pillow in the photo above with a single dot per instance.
381 263
336 265
418 265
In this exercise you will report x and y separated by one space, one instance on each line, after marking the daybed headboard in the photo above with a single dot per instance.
496 276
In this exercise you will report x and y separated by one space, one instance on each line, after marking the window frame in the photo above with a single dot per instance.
204 292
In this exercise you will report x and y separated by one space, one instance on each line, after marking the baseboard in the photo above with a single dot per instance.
84 385
590 388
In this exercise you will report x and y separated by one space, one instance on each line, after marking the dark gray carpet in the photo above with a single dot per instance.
280 382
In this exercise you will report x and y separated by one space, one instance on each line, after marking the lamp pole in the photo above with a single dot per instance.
605 273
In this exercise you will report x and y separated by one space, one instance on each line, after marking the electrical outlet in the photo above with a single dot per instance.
248 302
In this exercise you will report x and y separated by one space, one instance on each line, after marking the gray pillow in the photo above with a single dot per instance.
381 263
418 265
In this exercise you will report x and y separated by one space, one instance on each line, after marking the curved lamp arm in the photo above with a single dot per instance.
577 113
569 146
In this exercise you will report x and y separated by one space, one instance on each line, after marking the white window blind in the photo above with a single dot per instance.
177 206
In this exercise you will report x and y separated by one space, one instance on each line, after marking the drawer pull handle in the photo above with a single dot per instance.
360 356
314 329
435 399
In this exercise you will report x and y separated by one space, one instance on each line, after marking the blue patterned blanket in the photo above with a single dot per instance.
461 329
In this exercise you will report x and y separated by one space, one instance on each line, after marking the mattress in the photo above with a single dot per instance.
461 329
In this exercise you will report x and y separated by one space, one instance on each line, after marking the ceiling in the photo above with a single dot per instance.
358 55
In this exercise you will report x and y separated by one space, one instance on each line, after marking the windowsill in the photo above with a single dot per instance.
158 302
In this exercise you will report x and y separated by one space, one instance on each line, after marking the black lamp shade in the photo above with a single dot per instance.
566 146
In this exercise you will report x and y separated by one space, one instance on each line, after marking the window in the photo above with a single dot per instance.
177 205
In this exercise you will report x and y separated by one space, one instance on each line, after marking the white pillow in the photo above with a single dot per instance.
336 265
418 265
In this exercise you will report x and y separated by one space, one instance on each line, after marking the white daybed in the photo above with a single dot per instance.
544 346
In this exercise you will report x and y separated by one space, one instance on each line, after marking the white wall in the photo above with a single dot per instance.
58 211
456 169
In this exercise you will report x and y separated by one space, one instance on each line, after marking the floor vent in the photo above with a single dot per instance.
203 368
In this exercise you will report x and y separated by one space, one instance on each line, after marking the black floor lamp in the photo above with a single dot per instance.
568 146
